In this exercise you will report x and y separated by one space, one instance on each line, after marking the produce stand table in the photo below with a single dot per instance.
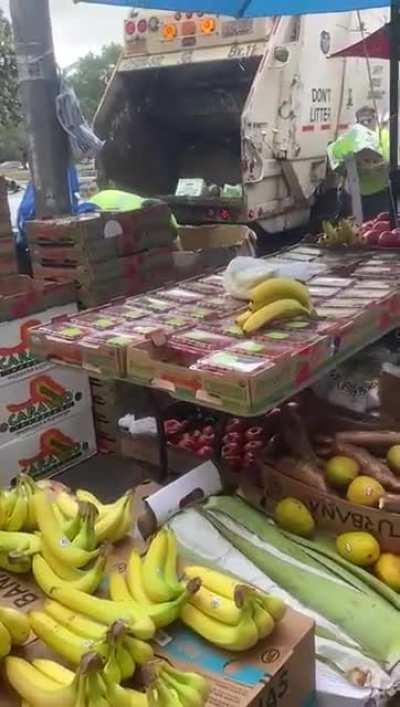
356 297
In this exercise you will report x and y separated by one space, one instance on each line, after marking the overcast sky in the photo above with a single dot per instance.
78 29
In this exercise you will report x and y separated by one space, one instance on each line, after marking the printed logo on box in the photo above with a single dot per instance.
19 357
47 399
56 450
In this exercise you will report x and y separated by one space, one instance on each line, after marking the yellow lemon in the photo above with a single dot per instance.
359 548
365 490
388 570
292 515
393 458
340 471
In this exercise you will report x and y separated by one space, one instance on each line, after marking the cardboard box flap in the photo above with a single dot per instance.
219 236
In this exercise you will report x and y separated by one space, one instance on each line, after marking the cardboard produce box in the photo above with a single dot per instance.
50 395
56 446
331 513
202 248
279 670
21 295
16 358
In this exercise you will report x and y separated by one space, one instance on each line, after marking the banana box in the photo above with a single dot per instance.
47 396
17 360
278 671
56 446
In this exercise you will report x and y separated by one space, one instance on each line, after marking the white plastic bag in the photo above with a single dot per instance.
244 273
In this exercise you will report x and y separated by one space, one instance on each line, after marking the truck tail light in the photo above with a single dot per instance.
169 32
142 26
130 27
207 25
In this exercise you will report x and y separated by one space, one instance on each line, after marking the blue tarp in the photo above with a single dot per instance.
249 8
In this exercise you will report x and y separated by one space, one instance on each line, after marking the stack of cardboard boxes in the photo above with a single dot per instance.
46 421
106 254
8 263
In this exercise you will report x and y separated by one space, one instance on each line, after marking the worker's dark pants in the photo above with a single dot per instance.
374 204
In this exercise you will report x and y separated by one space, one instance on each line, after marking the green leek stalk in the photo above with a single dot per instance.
367 618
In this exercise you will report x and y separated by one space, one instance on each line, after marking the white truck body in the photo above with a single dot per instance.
252 102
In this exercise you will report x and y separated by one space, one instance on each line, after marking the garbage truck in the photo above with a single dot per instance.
228 120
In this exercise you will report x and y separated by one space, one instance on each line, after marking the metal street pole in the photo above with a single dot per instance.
47 142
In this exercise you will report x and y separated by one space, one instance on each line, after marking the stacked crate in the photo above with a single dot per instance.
8 263
46 421
106 254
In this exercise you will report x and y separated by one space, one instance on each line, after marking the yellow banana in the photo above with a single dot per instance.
19 542
140 651
263 620
60 639
58 544
225 586
187 694
235 638
21 566
281 309
17 518
35 687
16 623
54 671
153 565
163 613
277 288
105 611
85 538
5 641
115 522
97 693
243 317
167 695
74 621
198 682
135 580
125 661
216 606
217 582
123 697
170 567
87 582
274 605
69 574
67 504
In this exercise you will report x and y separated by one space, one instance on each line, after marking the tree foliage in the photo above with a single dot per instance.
90 76
10 108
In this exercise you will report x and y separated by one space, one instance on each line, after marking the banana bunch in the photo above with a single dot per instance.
17 550
44 683
230 615
16 508
14 629
275 298
176 688
114 520
342 234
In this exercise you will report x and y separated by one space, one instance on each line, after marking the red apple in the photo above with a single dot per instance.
253 446
380 228
208 430
383 216
235 425
205 451
387 239
370 237
254 433
232 438
207 439
229 449
185 444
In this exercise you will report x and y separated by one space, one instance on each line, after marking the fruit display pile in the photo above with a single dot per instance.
240 444
101 623
377 233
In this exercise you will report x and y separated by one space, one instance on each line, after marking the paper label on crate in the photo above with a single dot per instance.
190 488
192 649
